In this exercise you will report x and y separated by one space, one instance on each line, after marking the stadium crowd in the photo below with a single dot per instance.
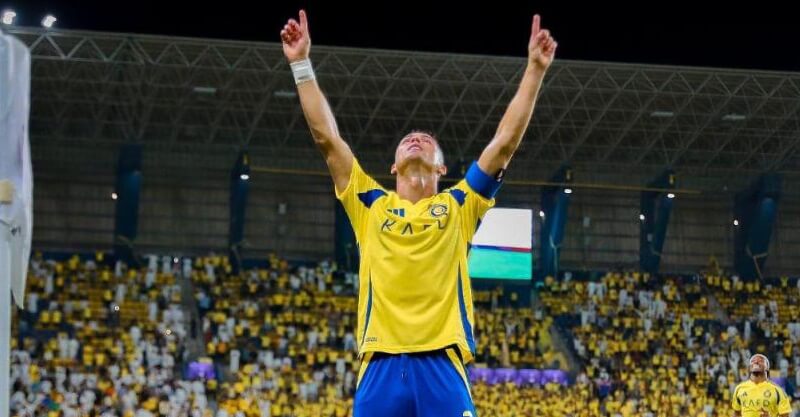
100 339
655 345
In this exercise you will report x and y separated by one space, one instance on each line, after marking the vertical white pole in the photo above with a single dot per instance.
5 321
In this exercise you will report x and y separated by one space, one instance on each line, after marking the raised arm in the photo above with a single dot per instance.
296 45
498 153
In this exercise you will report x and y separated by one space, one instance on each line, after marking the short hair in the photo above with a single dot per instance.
766 359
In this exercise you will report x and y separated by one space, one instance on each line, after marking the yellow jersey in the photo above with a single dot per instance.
750 398
414 288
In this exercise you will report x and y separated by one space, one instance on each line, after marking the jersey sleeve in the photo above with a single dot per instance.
475 194
361 192
735 402
784 404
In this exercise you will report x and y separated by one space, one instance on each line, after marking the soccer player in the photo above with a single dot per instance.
758 396
415 302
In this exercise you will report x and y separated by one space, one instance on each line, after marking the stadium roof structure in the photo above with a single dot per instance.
611 122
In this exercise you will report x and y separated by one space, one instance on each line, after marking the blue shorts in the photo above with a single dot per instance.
425 384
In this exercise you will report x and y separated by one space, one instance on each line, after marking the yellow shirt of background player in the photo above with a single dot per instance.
750 399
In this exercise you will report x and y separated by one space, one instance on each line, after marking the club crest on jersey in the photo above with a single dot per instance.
767 394
438 210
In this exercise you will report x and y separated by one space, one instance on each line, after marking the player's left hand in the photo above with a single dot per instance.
542 46
296 39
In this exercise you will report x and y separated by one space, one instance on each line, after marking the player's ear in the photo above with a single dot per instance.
393 170
442 170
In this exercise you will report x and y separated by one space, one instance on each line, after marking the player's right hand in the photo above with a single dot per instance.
295 38
542 46
764 413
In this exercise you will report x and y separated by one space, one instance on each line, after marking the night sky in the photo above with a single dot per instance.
657 32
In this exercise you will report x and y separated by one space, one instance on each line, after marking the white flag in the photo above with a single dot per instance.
16 219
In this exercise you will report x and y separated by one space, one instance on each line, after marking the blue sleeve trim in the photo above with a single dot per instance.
459 195
481 182
369 197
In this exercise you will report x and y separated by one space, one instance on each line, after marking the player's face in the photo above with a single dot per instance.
419 147
757 365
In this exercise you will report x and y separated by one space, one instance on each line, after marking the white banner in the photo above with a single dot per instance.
15 158
16 218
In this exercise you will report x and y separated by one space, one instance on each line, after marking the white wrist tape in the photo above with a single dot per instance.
302 71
